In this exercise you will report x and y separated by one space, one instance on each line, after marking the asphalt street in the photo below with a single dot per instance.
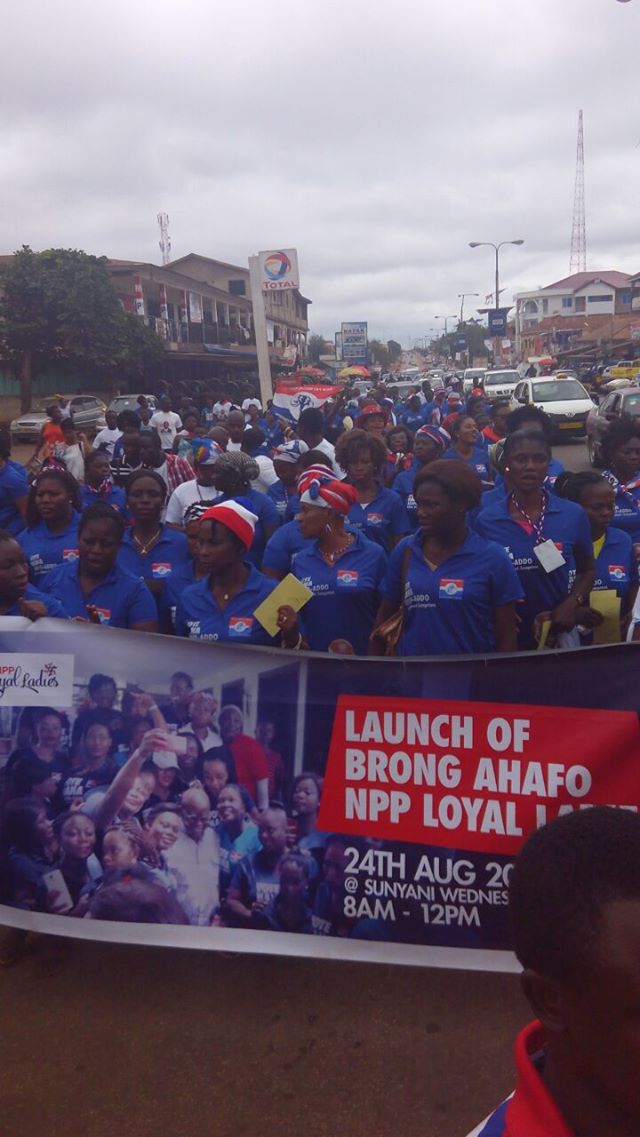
105 1040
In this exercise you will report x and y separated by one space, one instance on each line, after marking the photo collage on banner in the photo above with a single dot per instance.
204 795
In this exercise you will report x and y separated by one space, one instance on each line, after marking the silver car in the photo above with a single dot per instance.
87 412
130 402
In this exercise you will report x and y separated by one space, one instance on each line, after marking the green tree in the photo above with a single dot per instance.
59 307
394 349
315 348
380 354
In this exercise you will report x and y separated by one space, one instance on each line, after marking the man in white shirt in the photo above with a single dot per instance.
106 438
246 403
166 422
235 425
253 444
222 408
310 430
201 489
194 860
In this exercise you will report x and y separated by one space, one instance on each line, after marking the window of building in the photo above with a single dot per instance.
580 304
626 298
600 299
567 301
545 307
237 287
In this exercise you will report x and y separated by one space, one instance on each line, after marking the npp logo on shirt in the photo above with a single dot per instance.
618 572
70 554
103 614
160 569
240 625
451 589
347 578
374 519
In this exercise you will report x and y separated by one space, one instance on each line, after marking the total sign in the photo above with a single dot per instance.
279 270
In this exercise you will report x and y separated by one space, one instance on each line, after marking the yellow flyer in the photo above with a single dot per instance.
289 592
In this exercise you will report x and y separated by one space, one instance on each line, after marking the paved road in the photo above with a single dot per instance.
106 1040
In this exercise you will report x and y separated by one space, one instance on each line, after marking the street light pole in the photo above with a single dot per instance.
461 297
491 244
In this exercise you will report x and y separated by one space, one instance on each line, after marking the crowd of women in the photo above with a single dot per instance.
157 809
425 528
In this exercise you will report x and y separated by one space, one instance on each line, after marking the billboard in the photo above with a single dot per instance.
354 341
279 270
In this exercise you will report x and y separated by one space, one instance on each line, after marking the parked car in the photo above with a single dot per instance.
623 369
565 401
617 403
498 384
130 402
87 412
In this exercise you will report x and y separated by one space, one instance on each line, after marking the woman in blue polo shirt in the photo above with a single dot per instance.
286 463
377 512
621 449
616 567
458 593
233 474
429 444
150 549
467 447
17 596
221 606
547 538
184 574
98 483
14 488
342 568
52 515
94 587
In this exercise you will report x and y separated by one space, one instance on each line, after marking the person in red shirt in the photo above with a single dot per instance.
252 768
50 434
574 902
497 428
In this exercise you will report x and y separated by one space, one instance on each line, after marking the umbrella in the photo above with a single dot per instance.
313 372
358 369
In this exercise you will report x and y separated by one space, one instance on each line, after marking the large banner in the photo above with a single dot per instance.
400 790
289 402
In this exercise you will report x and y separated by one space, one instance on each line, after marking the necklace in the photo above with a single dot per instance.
144 549
331 556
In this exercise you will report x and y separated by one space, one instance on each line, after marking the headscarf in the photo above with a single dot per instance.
290 452
317 486
243 465
437 434
205 451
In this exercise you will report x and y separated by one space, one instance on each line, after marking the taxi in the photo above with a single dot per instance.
624 369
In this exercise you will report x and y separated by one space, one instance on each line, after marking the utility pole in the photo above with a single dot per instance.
165 239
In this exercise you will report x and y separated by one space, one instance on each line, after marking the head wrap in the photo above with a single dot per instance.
205 451
290 451
194 511
246 468
319 487
440 437
235 516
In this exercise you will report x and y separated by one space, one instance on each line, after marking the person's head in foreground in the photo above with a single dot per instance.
574 901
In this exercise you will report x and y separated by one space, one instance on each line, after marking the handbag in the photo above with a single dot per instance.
390 630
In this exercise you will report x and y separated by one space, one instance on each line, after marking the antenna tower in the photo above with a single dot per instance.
165 239
578 258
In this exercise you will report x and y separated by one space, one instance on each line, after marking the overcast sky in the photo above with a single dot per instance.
377 136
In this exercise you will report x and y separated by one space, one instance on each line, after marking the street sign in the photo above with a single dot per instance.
497 321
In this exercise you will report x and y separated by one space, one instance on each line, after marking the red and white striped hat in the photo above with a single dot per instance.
234 516
319 486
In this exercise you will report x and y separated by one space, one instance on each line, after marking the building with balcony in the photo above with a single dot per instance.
587 309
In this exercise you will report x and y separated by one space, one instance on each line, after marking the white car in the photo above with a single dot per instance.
498 384
471 378
565 401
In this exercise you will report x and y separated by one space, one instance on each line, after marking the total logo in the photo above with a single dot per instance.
451 589
618 572
240 625
347 577
277 265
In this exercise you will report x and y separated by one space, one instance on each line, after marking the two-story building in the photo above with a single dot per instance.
564 313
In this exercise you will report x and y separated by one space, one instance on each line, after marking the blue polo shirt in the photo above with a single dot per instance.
281 546
13 484
51 603
403 486
567 525
413 419
382 519
115 497
340 616
449 610
626 508
198 617
268 517
616 566
478 462
45 550
172 588
285 502
169 553
121 599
